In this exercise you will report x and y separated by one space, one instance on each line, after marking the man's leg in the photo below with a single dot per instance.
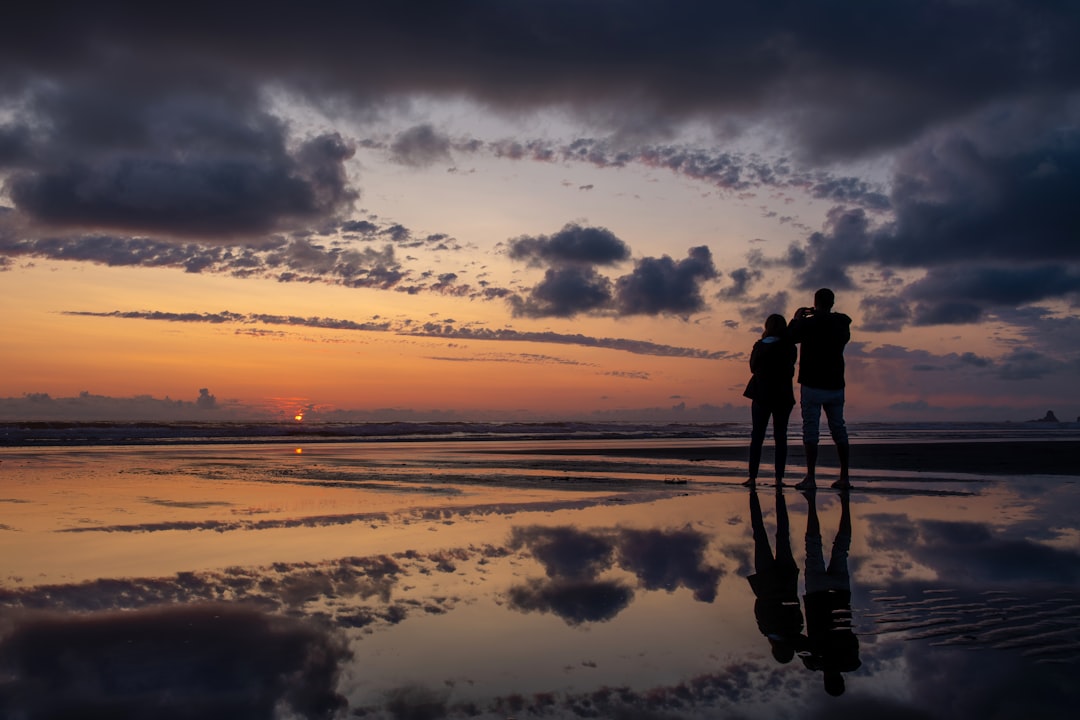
811 417
810 481
834 413
843 451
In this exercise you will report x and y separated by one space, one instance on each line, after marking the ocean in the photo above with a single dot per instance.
120 433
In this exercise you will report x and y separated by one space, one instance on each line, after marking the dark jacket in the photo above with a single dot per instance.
822 338
772 361
777 608
832 643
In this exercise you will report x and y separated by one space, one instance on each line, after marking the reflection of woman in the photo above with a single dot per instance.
775 583
772 361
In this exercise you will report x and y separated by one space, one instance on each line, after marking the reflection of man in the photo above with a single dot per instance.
775 582
822 335
831 644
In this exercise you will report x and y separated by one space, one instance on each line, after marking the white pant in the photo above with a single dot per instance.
813 401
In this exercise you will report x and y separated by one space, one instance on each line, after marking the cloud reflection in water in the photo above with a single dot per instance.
186 661
574 559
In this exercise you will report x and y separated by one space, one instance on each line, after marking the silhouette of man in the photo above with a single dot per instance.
831 644
775 582
822 335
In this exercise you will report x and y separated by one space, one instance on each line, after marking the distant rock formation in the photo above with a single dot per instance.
1049 417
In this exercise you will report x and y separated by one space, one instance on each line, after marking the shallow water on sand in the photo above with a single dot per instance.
494 580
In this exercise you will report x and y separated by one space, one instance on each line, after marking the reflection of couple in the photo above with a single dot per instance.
822 335
829 645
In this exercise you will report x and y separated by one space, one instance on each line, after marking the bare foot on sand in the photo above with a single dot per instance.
749 483
841 484
807 483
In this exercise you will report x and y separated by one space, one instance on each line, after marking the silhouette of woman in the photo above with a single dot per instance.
775 582
772 362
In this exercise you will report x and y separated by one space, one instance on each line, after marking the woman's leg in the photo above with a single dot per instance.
779 427
759 415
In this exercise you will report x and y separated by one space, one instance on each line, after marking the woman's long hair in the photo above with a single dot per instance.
775 325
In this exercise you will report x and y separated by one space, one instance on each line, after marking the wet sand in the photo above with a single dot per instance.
996 457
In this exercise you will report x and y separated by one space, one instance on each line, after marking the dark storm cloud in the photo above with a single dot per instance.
571 284
741 279
178 662
420 146
987 213
947 312
840 82
997 285
15 145
572 245
960 295
363 227
827 257
970 199
137 145
881 313
116 155
665 286
565 292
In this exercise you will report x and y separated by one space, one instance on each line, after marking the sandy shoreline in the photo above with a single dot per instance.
997 457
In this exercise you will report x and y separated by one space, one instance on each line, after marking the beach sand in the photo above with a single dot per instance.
532 579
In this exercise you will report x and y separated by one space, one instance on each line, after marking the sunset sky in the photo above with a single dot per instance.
534 210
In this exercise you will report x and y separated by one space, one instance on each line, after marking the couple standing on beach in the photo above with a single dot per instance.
822 335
